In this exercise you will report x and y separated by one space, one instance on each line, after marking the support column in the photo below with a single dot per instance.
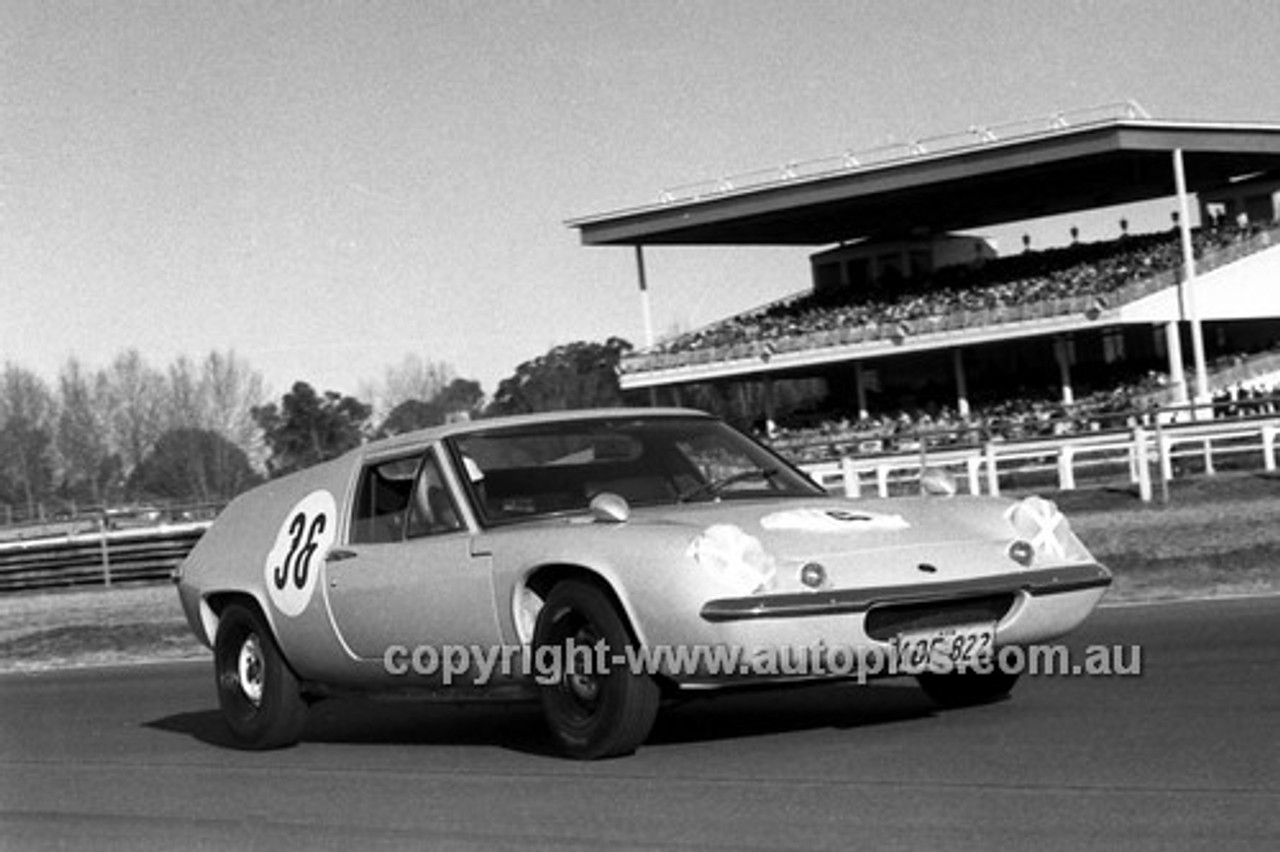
645 308
860 389
1061 353
1177 378
1186 289
646 312
962 386
770 423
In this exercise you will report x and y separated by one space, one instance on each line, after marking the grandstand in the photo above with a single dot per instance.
906 310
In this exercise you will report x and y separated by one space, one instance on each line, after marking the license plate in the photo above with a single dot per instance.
945 649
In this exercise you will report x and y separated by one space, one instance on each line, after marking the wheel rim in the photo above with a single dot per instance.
251 668
581 691
584 687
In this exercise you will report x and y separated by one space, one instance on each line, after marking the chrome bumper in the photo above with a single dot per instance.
1038 583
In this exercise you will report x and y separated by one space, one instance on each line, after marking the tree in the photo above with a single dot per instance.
413 378
185 400
81 437
306 428
574 375
461 398
232 389
192 465
26 438
135 395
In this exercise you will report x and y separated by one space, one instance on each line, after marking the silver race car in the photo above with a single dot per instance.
600 561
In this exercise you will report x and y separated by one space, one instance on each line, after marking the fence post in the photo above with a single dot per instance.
993 475
1165 448
972 465
1066 468
852 482
882 480
106 555
1141 462
1269 447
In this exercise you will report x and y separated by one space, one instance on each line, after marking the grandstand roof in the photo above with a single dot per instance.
960 182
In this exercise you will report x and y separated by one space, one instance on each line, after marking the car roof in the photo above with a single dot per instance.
419 437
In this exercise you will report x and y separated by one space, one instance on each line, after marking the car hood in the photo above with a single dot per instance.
856 543
800 526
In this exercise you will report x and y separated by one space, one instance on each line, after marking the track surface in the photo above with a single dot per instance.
1184 756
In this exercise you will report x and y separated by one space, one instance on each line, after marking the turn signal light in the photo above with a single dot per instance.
1022 552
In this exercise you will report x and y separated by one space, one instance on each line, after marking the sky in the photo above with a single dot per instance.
327 187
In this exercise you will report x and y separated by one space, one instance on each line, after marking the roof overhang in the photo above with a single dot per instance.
978 185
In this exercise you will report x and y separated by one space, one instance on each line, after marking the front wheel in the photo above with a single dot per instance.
257 691
964 689
593 710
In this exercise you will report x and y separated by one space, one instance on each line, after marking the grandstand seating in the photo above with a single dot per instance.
1009 289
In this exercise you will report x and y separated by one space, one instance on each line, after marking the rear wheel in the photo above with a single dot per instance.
964 689
591 713
257 691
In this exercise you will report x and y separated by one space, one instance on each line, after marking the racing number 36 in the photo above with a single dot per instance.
302 546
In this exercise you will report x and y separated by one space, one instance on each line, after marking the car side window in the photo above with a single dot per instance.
382 501
433 510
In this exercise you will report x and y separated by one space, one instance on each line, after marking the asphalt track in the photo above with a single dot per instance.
1184 756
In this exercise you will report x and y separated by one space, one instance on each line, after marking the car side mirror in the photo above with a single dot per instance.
609 508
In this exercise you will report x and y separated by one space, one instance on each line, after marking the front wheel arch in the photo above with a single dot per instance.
543 579
592 713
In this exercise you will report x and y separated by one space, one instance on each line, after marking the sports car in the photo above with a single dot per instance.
602 561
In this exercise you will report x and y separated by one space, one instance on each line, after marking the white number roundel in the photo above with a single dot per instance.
294 561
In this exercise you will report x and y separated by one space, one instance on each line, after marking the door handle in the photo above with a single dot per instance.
338 555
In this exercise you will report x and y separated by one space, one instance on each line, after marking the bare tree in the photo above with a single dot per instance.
136 407
232 390
81 438
27 414
185 405
412 379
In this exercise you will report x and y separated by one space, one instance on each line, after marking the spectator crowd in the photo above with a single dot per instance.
1081 269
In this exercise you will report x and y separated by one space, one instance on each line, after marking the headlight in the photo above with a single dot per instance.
1039 524
739 559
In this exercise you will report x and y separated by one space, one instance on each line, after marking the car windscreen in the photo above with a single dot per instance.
522 472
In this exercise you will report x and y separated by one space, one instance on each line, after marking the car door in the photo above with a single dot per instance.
406 577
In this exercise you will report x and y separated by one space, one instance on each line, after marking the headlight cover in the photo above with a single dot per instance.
736 557
1038 522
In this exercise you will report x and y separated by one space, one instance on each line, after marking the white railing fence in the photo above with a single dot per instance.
1150 456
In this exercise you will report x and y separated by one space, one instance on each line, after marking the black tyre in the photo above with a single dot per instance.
965 689
257 691
592 714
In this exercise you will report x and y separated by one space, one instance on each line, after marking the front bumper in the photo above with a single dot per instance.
1039 583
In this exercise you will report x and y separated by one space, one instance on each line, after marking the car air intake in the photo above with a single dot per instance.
885 622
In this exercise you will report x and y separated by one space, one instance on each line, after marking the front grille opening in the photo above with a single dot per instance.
885 622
